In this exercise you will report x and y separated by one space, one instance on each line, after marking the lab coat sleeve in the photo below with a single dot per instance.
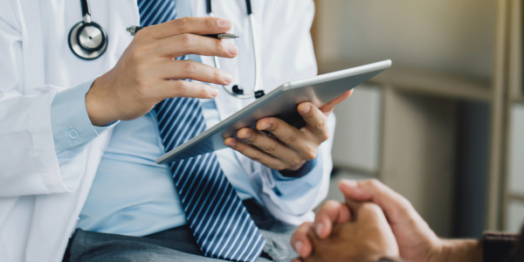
28 160
72 128
304 170
295 187
69 119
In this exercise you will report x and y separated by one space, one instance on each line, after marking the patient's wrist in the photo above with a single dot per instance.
460 250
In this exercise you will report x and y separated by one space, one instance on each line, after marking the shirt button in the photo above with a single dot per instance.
73 134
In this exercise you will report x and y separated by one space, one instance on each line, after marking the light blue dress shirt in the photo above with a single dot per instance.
131 194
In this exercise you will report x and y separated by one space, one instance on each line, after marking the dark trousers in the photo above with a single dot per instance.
176 244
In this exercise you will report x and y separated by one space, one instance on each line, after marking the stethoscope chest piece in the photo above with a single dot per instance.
87 39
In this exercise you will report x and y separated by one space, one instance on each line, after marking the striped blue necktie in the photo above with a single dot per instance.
220 222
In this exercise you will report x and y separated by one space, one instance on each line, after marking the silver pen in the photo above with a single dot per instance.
134 29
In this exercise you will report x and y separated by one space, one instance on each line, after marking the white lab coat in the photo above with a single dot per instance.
42 196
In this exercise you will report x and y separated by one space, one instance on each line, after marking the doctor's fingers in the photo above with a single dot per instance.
255 154
187 69
187 25
271 147
328 108
180 88
316 121
305 145
179 45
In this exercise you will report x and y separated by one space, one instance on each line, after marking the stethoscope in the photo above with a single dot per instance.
236 90
87 39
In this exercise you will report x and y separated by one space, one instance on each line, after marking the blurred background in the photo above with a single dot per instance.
445 125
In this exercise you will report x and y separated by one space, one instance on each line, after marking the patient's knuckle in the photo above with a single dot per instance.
330 204
303 229
374 183
405 204
371 208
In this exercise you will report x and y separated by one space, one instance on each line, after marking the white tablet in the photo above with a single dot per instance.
282 103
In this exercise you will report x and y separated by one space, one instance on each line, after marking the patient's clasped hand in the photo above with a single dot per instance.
375 224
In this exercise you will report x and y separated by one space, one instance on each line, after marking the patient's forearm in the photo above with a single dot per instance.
461 251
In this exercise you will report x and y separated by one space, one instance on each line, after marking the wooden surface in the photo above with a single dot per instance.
513 95
515 49
514 196
518 99
498 125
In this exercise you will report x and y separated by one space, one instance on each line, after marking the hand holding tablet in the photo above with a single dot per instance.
280 103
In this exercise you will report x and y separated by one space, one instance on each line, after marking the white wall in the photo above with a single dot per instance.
357 135
515 215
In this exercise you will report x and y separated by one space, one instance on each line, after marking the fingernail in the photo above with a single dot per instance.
246 135
265 126
213 92
223 24
231 49
319 228
230 142
349 183
298 246
228 78
306 108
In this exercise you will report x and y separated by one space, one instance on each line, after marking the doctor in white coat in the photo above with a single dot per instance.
50 166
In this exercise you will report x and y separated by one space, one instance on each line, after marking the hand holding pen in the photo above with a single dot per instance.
134 29
143 75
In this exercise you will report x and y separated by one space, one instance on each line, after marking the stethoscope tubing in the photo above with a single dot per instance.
88 53
257 90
